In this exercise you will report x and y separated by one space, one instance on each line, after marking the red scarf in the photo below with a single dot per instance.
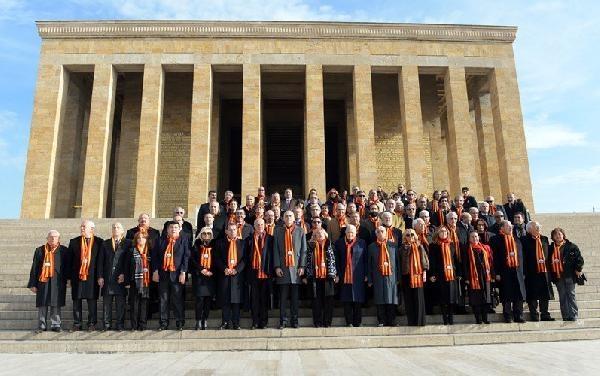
454 239
475 285
259 244
512 260
557 263
447 257
539 255
47 271
320 259
348 277
86 258
290 260
385 266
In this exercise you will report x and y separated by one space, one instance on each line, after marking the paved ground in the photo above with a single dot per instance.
556 358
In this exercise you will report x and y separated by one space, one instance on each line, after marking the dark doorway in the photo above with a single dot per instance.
336 148
230 146
283 126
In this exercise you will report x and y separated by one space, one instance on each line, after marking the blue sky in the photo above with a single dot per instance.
556 53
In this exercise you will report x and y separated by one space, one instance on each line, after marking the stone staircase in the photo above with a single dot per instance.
18 312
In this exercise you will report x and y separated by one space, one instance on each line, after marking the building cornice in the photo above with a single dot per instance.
274 29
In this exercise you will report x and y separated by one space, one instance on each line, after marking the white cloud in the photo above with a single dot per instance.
574 178
540 133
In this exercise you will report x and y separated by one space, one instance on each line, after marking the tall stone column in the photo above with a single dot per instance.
149 145
49 105
97 157
200 137
412 128
251 130
490 175
461 152
365 127
510 135
314 131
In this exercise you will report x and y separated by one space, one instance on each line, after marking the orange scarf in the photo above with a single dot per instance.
375 221
447 257
240 227
475 285
423 239
492 210
48 265
557 265
441 217
459 210
454 239
270 229
390 234
320 259
385 266
348 278
86 255
169 257
415 267
512 261
145 268
539 255
290 260
434 206
342 221
232 256
259 244
205 257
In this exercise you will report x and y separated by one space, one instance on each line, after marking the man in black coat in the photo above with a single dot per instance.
169 265
113 275
230 262
205 209
144 225
260 250
537 272
508 264
469 201
84 274
186 227
50 271
513 206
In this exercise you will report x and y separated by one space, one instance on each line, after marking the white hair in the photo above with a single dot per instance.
350 227
53 232
418 222
532 224
87 221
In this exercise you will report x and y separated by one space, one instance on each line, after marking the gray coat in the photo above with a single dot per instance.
290 274
385 288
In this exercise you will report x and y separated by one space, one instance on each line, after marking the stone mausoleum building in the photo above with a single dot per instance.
142 116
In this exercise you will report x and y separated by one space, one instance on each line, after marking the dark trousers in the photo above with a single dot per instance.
386 314
533 307
260 302
202 307
92 305
512 309
353 313
231 314
291 291
107 306
414 302
171 294
447 313
322 305
481 312
138 310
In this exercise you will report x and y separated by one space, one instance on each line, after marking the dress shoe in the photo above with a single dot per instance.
547 318
91 328
282 325
295 325
75 328
520 320
224 326
237 327
162 327
57 329
380 325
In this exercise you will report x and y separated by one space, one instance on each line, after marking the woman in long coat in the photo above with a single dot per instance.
415 264
478 273
321 274
203 279
444 273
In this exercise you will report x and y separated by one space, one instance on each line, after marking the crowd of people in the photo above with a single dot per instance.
402 252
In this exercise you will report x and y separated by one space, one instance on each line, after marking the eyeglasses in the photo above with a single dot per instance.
179 212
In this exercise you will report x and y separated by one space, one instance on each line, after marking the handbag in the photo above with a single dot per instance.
581 279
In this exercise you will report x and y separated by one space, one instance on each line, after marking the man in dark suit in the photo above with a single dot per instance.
513 206
288 202
205 209
144 225
260 249
84 250
185 225
113 275
169 265
469 201
289 261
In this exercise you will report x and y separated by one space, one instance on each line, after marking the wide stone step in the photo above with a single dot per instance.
288 339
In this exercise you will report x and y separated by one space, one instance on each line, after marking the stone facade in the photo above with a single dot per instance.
431 106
